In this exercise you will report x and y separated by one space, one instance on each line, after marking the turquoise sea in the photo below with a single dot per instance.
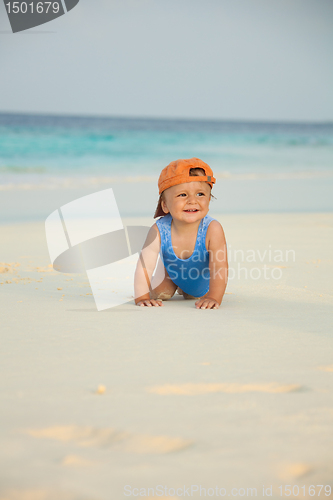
63 149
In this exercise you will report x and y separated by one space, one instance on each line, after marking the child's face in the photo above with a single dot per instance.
188 202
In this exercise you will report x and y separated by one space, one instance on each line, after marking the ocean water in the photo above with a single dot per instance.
66 151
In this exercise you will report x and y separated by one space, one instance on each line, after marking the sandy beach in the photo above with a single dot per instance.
105 400
96 404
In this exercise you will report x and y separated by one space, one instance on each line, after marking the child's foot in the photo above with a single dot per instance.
189 297
186 295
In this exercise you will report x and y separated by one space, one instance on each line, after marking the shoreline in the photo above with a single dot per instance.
232 197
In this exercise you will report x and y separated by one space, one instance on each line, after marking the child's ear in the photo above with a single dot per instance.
164 207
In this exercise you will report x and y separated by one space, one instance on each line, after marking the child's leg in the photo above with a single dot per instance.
187 296
165 289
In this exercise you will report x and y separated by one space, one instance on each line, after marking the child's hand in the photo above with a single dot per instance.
149 303
207 303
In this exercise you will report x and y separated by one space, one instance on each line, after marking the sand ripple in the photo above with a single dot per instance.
288 471
328 368
196 389
39 494
105 438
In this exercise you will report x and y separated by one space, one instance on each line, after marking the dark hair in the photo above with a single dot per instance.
196 171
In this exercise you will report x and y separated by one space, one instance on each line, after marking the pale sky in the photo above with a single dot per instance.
218 59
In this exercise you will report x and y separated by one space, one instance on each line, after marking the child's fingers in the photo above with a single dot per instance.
199 302
156 303
207 304
212 305
202 303
150 303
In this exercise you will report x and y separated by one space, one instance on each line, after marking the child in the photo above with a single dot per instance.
191 244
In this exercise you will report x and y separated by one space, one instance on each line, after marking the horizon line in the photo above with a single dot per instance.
168 118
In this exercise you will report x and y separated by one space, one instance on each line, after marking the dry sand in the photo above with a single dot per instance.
238 397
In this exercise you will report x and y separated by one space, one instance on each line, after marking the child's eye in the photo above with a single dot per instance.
182 194
201 194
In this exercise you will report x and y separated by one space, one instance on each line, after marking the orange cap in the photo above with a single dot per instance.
178 172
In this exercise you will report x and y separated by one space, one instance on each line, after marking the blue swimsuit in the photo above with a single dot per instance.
192 274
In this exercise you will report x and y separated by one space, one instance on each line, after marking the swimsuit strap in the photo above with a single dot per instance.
164 227
202 233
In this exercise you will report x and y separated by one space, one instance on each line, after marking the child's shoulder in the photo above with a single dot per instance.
215 231
154 232
153 239
214 224
154 228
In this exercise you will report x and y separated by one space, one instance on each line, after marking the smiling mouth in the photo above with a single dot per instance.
191 210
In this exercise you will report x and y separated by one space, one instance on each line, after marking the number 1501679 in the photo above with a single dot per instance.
31 8
314 490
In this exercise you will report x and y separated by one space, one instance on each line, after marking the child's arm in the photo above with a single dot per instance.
218 267
145 268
